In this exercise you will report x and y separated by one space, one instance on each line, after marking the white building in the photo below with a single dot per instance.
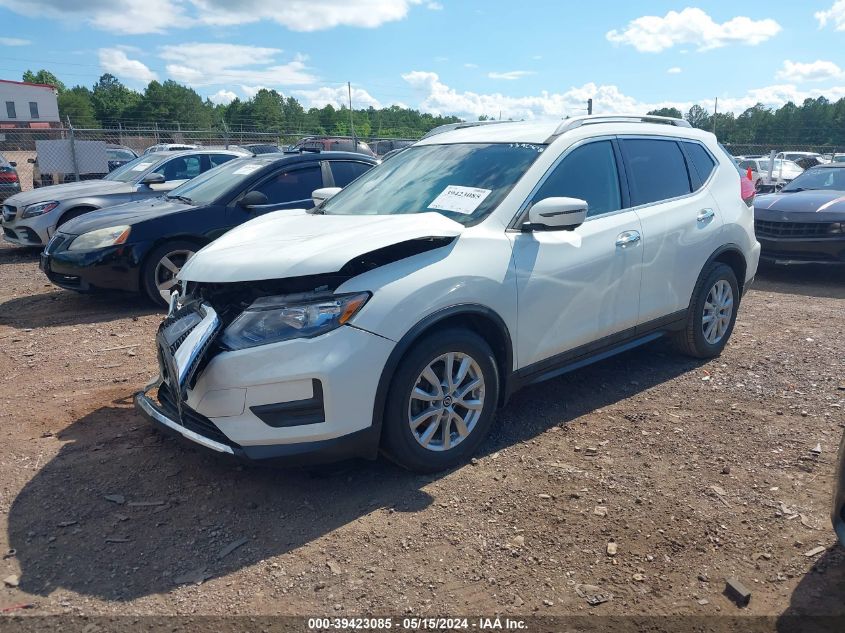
28 105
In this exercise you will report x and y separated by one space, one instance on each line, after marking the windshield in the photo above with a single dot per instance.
208 187
832 179
133 169
779 164
120 154
463 182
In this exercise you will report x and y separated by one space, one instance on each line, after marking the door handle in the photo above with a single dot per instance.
628 238
705 214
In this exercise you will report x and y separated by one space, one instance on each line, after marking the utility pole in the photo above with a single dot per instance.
715 109
72 151
589 106
351 121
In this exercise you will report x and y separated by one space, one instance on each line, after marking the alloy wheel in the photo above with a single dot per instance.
446 401
167 269
718 311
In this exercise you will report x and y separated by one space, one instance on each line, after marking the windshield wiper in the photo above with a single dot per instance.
184 199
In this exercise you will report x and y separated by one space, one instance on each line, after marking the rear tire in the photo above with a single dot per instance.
427 428
158 275
712 313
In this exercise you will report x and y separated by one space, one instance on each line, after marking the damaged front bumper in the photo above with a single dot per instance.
297 401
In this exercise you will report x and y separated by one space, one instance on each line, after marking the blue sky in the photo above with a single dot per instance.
536 58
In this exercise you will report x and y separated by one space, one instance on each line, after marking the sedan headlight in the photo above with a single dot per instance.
39 209
274 319
100 238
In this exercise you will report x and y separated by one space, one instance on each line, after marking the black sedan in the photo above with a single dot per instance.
141 246
805 221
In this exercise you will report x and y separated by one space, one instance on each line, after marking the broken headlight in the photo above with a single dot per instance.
274 319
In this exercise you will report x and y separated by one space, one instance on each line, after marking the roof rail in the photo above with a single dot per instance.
448 127
578 121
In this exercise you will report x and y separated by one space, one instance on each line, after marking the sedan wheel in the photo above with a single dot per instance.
167 269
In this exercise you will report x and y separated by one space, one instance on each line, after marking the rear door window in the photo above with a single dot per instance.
657 170
219 159
345 171
292 185
701 159
588 173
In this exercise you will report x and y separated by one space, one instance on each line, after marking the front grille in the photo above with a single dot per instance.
768 228
9 212
190 419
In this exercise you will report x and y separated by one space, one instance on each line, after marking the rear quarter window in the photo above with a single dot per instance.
702 161
656 168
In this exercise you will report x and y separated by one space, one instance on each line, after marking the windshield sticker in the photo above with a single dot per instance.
141 166
459 199
537 148
246 170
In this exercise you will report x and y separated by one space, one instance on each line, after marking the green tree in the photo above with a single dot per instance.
698 117
75 104
171 103
112 101
670 112
44 77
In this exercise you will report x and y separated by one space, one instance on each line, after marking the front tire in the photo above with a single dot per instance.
441 402
712 313
158 275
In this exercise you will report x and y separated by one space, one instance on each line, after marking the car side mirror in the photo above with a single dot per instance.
253 199
13 163
319 196
561 214
153 179
31 161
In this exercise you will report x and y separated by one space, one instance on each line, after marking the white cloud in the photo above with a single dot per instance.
652 34
115 61
158 16
207 64
813 71
510 75
438 98
834 15
223 96
13 41
674 70
304 15
469 65
338 96
118 16
434 6
251 91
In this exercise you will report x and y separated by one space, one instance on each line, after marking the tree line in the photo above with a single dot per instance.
109 103
814 122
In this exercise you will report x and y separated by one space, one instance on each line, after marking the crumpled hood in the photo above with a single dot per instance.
295 243
68 191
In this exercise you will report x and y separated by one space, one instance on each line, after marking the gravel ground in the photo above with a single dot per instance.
645 480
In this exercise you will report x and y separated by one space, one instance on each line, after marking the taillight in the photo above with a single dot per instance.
8 176
747 191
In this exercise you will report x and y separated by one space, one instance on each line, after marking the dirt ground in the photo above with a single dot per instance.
695 471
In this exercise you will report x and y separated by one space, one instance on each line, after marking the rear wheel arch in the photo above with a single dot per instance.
477 318
731 255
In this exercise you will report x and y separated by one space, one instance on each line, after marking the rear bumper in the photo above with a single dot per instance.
823 250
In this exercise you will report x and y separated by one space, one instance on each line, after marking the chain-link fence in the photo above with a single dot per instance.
752 149
65 154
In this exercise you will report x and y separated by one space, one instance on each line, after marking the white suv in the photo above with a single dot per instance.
404 310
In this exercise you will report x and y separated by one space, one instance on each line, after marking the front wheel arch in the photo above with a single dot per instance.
74 212
478 318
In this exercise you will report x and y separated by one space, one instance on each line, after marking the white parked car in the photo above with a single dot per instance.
169 147
402 311
783 171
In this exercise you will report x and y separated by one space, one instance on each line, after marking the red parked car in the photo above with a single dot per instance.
10 184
